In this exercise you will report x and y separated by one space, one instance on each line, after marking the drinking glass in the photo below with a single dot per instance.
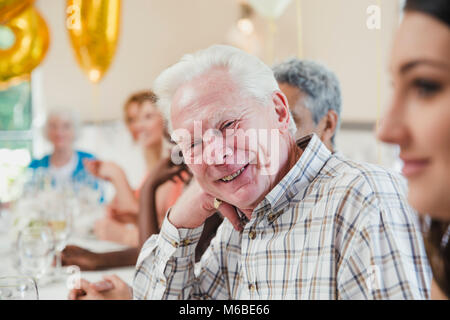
59 219
35 246
18 288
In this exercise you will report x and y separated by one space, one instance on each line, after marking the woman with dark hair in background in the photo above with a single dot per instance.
418 120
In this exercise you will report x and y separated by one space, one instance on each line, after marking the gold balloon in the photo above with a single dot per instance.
93 27
11 8
29 45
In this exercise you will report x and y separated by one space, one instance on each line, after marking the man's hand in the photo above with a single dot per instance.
195 206
111 288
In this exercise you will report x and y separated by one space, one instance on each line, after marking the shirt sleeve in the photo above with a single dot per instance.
166 269
386 260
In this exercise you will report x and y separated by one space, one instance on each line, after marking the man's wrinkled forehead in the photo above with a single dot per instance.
204 99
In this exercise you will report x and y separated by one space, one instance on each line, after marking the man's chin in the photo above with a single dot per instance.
243 199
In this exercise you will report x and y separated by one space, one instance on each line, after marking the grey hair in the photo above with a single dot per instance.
320 85
254 77
65 113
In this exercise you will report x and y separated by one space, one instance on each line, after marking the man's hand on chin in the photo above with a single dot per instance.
195 206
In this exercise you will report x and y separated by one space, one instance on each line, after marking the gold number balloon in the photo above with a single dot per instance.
11 8
93 27
29 44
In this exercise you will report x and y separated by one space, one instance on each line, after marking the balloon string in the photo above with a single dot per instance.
379 66
96 103
271 41
299 29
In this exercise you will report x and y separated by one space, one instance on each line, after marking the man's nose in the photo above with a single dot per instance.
217 152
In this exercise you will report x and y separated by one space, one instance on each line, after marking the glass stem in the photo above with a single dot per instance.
58 261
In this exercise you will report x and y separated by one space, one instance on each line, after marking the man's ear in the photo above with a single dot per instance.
328 126
282 109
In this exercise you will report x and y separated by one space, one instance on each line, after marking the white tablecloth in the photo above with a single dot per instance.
59 290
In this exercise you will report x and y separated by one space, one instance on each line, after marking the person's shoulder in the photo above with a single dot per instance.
366 183
376 177
39 163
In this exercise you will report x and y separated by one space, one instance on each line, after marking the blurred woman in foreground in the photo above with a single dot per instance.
418 120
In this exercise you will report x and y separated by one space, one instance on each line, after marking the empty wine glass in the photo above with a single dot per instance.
18 288
35 246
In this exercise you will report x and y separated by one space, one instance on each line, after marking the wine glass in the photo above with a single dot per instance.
59 219
35 246
18 288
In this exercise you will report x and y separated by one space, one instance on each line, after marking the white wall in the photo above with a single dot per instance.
156 33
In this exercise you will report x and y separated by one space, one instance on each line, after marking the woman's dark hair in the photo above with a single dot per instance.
439 9
436 233
437 247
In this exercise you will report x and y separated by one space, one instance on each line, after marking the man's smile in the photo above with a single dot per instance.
234 175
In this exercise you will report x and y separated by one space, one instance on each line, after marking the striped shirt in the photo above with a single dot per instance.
332 228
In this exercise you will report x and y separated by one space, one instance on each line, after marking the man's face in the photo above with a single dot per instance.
302 116
220 142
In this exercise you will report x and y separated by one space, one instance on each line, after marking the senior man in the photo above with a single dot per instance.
318 227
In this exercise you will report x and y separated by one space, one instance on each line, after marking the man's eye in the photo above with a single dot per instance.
194 144
228 124
426 88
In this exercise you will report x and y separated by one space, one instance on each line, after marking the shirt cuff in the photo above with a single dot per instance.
184 241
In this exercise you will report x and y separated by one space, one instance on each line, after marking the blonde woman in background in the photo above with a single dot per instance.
146 125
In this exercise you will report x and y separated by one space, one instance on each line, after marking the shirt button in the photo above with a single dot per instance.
175 244
251 287
186 242
252 235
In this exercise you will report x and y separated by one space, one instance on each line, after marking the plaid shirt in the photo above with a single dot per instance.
331 229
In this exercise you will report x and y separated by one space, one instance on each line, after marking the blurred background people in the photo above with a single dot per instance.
418 120
147 223
314 97
64 163
134 216
146 126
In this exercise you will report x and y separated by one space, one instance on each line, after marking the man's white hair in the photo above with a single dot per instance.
254 77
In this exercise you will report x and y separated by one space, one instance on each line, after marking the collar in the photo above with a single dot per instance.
296 181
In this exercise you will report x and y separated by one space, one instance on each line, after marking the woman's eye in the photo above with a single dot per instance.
426 88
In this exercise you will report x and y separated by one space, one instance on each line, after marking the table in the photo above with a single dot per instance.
59 290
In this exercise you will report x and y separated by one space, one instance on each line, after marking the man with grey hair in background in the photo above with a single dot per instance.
314 97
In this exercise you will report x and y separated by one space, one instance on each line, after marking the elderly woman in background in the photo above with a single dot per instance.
64 164
418 120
